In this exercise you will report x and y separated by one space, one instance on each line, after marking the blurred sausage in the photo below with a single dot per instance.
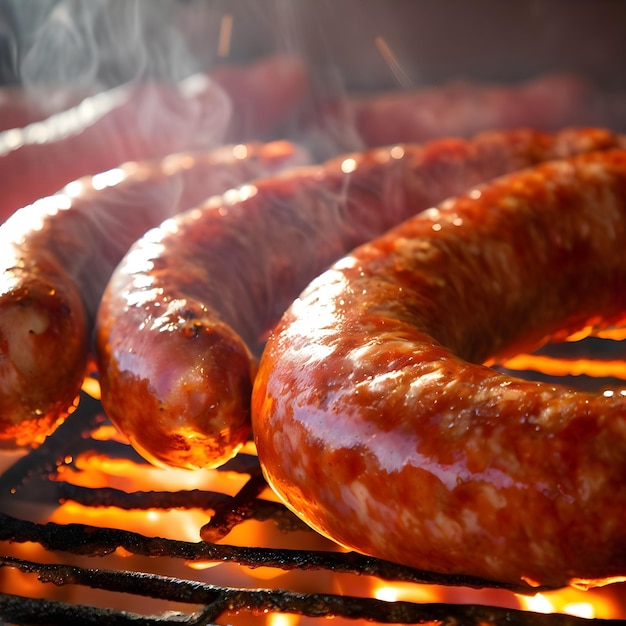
20 107
146 120
462 109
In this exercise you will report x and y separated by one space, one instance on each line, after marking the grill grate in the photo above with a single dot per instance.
36 480
219 600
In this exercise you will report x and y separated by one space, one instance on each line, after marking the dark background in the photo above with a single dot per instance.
87 42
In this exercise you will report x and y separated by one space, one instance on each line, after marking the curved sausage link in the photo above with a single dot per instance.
377 422
193 299
58 254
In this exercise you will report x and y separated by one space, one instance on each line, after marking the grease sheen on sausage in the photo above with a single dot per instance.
378 423
191 302
58 254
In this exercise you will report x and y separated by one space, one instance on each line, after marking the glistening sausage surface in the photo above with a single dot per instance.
377 423
193 299
57 255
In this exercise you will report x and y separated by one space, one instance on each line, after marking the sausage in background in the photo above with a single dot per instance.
147 120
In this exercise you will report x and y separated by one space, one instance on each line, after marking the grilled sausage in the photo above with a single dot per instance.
146 120
58 254
189 305
377 421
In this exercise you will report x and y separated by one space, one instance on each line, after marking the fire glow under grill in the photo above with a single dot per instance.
94 535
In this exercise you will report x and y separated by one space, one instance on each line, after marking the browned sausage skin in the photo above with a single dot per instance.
58 254
43 346
376 422
193 299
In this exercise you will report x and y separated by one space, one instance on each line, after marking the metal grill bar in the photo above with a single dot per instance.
219 600
94 541
28 611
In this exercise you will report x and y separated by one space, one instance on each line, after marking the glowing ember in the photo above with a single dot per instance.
225 36
568 367
390 58
571 602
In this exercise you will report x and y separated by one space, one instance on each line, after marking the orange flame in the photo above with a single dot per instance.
552 366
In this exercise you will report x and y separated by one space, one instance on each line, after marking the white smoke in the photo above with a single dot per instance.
94 43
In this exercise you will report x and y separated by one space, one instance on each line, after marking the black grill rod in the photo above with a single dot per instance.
96 541
39 612
220 600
